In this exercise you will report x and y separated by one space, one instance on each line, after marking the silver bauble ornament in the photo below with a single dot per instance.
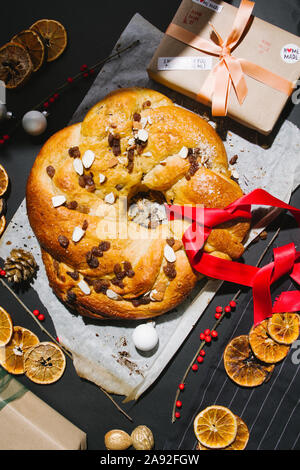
34 122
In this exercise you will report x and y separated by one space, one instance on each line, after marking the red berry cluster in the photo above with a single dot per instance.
206 337
5 138
39 315
86 72
51 100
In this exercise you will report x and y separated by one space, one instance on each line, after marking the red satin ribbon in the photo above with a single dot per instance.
286 259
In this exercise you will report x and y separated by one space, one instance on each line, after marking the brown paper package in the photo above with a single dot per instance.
262 44
28 423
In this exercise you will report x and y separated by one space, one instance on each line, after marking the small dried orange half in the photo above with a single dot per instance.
3 180
242 366
15 65
284 328
6 327
12 355
54 36
2 224
241 440
34 46
215 427
264 347
45 363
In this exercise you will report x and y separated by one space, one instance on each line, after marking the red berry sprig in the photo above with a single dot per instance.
206 338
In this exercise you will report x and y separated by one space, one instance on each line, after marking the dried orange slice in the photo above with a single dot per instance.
54 36
264 347
242 366
34 45
6 327
2 205
284 328
215 427
242 436
45 363
2 224
241 440
3 180
15 65
12 355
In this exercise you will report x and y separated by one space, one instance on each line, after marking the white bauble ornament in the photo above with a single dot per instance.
34 122
145 337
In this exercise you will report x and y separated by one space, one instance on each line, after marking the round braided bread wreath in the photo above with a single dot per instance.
103 259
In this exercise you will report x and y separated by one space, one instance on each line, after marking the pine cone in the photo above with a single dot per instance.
20 266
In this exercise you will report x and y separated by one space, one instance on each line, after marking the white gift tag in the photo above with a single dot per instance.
209 4
184 63
290 53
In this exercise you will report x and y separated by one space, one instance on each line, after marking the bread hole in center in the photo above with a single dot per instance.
147 209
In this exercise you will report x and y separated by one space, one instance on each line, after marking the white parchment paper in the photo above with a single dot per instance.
103 352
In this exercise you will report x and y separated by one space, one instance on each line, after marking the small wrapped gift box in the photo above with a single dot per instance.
224 57
28 423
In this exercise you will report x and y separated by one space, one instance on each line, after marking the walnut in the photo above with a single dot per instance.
142 438
116 439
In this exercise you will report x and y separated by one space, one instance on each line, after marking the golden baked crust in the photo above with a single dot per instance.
131 267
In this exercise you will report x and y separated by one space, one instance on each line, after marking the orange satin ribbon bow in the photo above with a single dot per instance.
229 70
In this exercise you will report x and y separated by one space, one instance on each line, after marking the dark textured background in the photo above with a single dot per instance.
93 28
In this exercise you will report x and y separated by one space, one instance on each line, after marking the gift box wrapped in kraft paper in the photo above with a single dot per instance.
28 423
230 60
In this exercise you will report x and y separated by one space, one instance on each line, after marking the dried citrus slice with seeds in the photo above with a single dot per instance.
54 36
215 427
15 65
12 355
34 45
3 180
2 224
6 327
44 363
264 347
284 328
242 366
241 440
